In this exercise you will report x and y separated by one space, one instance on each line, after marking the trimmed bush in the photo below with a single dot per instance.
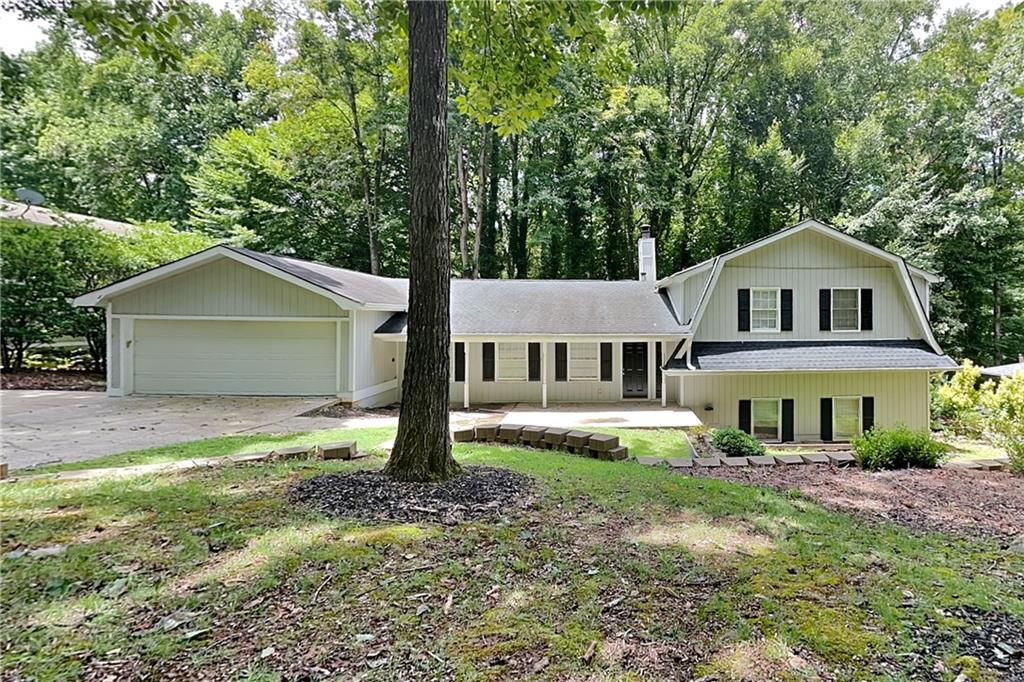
898 448
736 443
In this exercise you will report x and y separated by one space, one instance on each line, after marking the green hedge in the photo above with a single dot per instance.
898 448
736 443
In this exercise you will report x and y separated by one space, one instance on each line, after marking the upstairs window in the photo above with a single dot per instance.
584 361
764 310
846 310
512 362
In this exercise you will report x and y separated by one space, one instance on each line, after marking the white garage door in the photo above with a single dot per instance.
234 358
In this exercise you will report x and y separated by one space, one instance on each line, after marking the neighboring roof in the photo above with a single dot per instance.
554 307
46 216
774 356
353 285
1003 371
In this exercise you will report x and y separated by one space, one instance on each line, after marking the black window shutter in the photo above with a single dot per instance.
488 358
825 310
606 362
867 412
561 365
745 416
743 309
826 419
533 356
866 312
787 420
786 322
460 361
657 375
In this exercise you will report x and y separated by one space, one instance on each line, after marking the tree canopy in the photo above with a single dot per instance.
283 127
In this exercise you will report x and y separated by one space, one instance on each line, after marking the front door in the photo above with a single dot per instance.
634 370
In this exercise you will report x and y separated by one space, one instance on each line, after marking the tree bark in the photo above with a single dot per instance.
423 450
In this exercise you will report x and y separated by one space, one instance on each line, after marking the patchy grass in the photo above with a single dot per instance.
618 571
641 442
967 449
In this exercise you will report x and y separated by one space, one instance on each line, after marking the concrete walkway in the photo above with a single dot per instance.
627 415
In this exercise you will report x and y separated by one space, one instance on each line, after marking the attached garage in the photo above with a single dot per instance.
235 357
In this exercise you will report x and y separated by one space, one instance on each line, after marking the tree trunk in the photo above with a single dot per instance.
489 260
460 169
481 204
423 449
364 164
997 324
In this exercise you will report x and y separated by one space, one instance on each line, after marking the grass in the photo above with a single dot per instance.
650 569
968 448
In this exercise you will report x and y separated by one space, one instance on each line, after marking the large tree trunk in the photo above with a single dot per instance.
423 450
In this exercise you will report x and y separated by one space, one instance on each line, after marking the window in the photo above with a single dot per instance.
512 362
459 366
766 419
764 310
845 418
846 310
584 361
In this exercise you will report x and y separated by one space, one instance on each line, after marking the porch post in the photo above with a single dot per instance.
544 374
465 375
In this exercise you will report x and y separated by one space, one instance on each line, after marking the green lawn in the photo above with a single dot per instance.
618 572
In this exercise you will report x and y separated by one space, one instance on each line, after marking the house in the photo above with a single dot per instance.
808 334
15 210
1000 372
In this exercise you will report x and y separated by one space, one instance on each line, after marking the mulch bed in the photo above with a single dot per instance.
478 492
958 502
53 380
339 411
995 639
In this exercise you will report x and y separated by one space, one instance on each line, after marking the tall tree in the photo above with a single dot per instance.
423 449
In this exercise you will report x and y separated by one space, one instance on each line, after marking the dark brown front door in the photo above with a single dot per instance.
634 370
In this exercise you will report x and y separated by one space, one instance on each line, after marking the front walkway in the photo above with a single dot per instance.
627 415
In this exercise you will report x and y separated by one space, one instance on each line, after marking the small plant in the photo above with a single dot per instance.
736 443
1004 419
898 448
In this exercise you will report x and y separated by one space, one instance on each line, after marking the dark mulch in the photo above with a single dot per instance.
53 380
995 639
478 492
959 502
339 411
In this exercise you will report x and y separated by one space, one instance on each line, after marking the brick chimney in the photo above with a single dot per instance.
645 252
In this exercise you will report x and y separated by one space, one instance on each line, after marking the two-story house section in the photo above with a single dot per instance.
808 334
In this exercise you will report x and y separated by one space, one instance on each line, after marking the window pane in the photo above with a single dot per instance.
846 414
766 419
512 361
845 309
584 360
764 309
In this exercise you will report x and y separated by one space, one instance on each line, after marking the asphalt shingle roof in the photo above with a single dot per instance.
1004 370
739 356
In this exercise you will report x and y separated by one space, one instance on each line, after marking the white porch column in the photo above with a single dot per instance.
465 375
544 374
651 374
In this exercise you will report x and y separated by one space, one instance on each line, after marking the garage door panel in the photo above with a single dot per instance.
226 357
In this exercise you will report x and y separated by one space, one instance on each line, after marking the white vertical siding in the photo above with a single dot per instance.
225 287
805 263
375 362
922 288
900 397
685 294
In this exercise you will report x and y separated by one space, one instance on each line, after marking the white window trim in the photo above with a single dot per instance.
497 361
778 424
832 310
568 361
860 413
778 311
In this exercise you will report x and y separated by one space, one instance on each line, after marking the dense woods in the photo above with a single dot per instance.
570 126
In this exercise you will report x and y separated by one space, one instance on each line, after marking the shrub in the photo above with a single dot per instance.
1004 419
898 448
956 402
736 443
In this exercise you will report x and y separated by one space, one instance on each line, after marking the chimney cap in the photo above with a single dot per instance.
645 231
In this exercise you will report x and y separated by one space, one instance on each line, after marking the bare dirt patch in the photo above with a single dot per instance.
717 539
478 492
53 380
765 660
963 503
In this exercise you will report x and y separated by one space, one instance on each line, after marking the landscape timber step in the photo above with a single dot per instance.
554 437
680 462
816 458
342 450
964 464
532 435
650 461
842 458
297 452
618 454
761 460
576 441
990 464
735 461
509 433
601 442
487 432
464 435
789 459
709 462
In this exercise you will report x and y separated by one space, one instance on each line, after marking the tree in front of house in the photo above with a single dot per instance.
1004 418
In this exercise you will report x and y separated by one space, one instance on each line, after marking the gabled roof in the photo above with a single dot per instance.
812 356
45 216
497 307
1002 371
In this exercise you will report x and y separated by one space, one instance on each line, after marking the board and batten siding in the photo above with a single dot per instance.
686 293
375 361
900 397
225 287
807 262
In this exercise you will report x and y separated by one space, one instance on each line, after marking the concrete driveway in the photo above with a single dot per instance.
42 427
